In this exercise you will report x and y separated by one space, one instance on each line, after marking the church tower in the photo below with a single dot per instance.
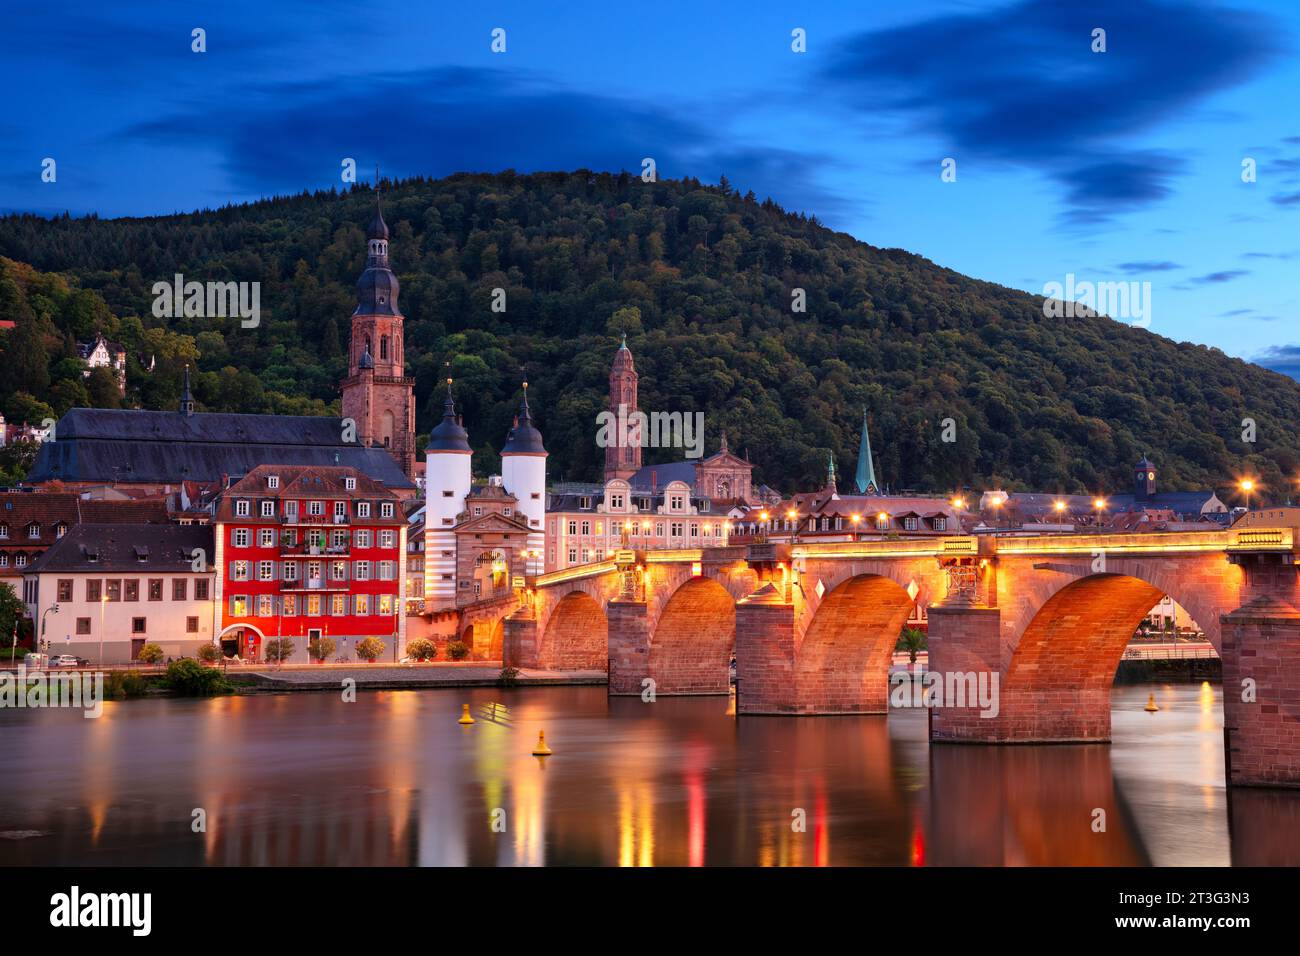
623 458
447 480
377 395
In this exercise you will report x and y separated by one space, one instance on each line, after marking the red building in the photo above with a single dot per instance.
307 552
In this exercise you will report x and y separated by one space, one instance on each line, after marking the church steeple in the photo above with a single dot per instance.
378 396
865 479
187 399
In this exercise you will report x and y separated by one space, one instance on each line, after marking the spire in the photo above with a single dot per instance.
830 472
865 479
524 438
723 449
187 399
449 435
377 288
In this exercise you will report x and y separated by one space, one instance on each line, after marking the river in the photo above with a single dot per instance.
392 779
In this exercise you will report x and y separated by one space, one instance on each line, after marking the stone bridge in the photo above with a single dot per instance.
1042 618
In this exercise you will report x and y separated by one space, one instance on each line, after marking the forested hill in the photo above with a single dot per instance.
700 278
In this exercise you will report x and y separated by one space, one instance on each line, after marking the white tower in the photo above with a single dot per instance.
446 484
523 472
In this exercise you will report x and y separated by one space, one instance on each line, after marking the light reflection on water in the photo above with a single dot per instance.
393 780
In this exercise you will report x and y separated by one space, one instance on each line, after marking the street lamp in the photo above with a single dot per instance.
1099 504
793 516
1059 506
995 503
855 519
959 503
1247 486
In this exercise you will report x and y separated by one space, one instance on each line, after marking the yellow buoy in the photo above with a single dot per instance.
541 750
465 718
1151 707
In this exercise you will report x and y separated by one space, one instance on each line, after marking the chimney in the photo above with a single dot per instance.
654 480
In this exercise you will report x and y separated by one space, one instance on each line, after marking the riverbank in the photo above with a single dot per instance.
399 677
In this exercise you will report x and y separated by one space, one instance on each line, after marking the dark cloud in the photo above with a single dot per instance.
1285 199
1281 358
1226 275
1020 84
447 120
1137 268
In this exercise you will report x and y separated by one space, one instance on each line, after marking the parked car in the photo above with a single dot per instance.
65 660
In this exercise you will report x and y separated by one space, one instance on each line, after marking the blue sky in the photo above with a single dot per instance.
1123 165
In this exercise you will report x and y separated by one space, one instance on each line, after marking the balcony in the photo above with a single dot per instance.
315 520
305 550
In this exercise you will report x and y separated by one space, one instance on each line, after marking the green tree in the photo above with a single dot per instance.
912 640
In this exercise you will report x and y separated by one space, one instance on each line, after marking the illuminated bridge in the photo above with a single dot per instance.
813 627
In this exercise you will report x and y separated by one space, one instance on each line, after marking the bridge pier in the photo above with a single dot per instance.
520 645
1261 677
765 653
629 646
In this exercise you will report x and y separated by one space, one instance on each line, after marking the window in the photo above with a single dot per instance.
131 590
239 538
191 625
268 509
363 509
93 590
313 605
910 522
338 604
83 625
113 587
478 510
675 529
363 604
385 509
34 530
273 481
616 501
940 524
266 538
361 570
316 508
385 604
289 605
60 530
340 510
239 605
239 570
4 560
4 530
20 560
362 539
155 589
339 539
265 605
339 570
291 570
659 529
573 555
675 502
573 527
695 530
201 589
586 527
137 625
65 589
291 509
266 570
388 539
180 589
386 570
350 484
241 508
882 522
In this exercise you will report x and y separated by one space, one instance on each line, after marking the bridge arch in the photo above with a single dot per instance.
693 638
841 663
577 633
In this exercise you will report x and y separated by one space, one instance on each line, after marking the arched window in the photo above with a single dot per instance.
383 347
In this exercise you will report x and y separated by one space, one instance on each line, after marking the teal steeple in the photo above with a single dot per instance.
865 479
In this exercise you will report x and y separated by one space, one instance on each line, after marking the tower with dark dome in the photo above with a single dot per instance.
378 397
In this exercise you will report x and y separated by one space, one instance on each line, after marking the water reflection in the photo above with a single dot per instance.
392 779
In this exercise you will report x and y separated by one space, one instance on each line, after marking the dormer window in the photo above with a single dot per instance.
60 530
350 484
386 509
34 530
363 509
273 481
268 509
241 508
4 530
